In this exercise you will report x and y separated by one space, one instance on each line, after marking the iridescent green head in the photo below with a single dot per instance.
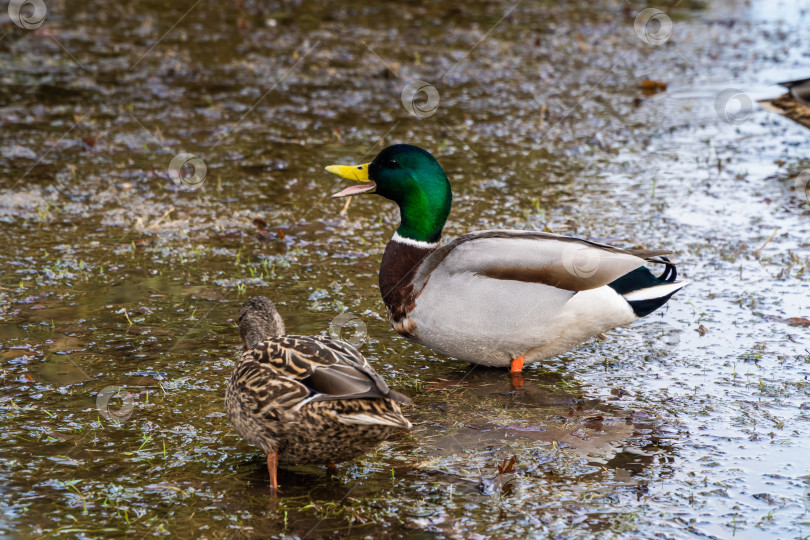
410 177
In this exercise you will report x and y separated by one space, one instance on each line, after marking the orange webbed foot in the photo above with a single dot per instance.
272 470
516 372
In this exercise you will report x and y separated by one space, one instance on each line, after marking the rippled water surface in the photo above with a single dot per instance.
120 287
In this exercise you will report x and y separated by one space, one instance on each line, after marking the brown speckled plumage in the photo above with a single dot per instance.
312 399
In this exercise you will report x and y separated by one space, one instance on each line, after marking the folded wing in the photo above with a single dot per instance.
536 257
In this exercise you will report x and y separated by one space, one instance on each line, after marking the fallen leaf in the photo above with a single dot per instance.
650 87
581 43
649 84
507 467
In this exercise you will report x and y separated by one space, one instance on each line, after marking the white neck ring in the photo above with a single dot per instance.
414 243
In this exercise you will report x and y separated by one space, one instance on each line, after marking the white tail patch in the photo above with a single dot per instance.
657 291
368 420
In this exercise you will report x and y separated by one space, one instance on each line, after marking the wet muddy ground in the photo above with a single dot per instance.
120 286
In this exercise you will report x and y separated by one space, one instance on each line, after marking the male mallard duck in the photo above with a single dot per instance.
497 298
799 89
306 399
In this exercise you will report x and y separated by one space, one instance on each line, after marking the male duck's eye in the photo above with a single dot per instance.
392 163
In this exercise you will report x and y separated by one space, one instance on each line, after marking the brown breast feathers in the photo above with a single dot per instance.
399 264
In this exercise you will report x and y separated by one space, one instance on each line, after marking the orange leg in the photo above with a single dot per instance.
515 370
272 469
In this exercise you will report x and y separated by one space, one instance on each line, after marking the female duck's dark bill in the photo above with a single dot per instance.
353 172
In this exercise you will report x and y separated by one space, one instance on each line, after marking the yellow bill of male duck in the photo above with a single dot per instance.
497 297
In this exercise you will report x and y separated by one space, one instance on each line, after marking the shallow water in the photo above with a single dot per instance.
120 287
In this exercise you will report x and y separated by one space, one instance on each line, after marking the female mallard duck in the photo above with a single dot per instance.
306 399
497 298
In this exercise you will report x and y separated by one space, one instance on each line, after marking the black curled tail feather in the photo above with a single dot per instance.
670 273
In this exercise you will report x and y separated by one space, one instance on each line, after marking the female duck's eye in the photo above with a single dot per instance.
392 163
